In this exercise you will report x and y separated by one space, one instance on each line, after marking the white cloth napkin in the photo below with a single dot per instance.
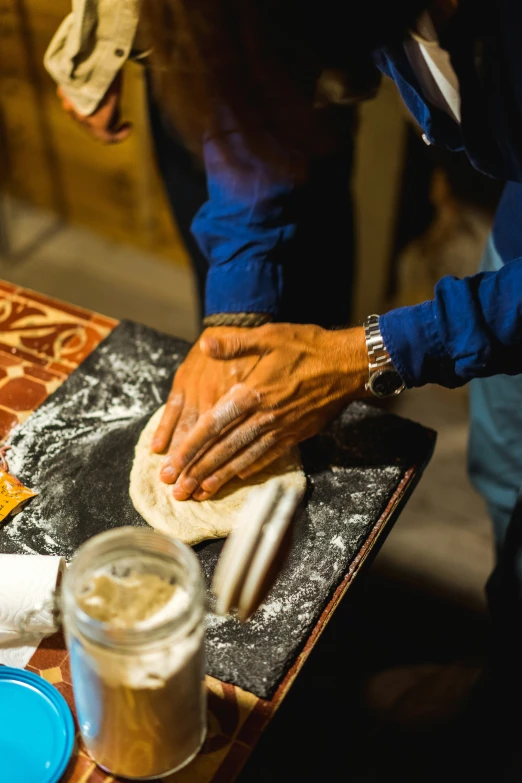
27 583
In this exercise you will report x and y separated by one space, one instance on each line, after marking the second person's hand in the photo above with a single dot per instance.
104 122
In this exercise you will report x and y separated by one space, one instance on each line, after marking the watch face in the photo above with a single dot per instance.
386 383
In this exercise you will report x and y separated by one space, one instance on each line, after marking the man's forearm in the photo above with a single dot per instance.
471 329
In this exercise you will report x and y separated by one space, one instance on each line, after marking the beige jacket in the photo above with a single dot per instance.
90 47
98 36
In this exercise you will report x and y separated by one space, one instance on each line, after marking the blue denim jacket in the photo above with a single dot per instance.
472 327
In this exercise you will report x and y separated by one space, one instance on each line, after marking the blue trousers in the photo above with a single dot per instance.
495 469
495 446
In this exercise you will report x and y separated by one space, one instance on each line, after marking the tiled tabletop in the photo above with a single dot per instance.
41 342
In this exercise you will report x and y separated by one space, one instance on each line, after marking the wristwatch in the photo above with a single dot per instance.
383 380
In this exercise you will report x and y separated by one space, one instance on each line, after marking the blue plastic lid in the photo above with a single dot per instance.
36 729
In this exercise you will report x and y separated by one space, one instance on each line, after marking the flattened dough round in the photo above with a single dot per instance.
189 520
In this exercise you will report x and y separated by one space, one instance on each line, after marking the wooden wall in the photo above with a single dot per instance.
49 161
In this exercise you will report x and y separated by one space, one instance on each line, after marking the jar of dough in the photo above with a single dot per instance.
132 608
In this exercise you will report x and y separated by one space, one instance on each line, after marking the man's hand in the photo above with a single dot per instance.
198 384
104 123
304 377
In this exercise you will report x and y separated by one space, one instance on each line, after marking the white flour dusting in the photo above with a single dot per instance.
113 390
76 451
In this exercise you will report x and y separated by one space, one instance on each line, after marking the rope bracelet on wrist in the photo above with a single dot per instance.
249 320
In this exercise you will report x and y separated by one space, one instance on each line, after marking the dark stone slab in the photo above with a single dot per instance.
76 450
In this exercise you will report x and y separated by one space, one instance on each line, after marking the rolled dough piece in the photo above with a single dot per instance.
193 521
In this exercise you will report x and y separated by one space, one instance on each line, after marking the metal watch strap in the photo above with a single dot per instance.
380 365
378 356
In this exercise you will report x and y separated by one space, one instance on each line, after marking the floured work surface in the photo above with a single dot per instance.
77 449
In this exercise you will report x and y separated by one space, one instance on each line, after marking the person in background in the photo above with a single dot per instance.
85 58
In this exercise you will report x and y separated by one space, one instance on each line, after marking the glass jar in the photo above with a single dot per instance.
132 608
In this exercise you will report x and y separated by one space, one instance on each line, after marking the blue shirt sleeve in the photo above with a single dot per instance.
471 329
243 229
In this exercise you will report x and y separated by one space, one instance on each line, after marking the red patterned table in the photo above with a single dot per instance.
41 342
